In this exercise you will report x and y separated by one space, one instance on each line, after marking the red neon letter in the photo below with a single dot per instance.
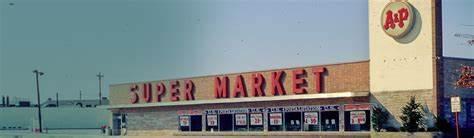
189 90
317 71
147 92
133 94
174 90
160 91
239 87
297 82
277 87
220 87
257 87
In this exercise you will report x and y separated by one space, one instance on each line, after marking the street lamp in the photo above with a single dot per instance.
38 73
100 76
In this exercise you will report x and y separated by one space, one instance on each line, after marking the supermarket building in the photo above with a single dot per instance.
405 42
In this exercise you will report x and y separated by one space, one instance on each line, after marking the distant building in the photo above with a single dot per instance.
8 101
88 103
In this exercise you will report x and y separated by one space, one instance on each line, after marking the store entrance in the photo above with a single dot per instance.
330 121
293 121
225 122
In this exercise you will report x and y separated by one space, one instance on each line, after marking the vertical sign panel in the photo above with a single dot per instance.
184 120
256 119
357 117
241 119
276 119
311 118
211 120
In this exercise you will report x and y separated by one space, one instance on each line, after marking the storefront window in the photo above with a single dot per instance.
311 121
256 122
330 118
293 121
357 117
190 120
211 122
184 123
275 121
225 122
241 122
196 123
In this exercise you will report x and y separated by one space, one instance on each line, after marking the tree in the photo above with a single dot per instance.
412 118
379 118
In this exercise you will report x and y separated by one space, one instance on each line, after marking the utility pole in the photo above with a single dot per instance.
37 74
80 95
57 99
100 76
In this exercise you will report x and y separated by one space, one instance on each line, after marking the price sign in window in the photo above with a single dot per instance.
256 119
357 117
241 119
211 120
184 121
275 118
311 118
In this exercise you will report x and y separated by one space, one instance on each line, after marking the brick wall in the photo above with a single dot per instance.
337 78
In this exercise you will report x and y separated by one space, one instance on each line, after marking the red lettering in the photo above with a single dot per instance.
239 87
133 94
146 93
403 14
160 91
391 19
220 87
189 90
277 87
317 71
257 85
297 82
174 90
389 23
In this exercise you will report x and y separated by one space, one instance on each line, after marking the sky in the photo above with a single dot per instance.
142 40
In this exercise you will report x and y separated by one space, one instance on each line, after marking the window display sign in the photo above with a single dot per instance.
211 120
311 118
357 117
184 121
256 119
275 118
241 119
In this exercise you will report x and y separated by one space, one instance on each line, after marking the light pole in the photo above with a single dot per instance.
100 75
37 74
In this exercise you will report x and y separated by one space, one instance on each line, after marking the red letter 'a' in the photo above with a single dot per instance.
257 85
160 91
389 23
220 87
174 90
317 71
189 90
147 92
277 87
239 87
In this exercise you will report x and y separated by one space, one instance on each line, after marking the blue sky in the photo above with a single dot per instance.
138 40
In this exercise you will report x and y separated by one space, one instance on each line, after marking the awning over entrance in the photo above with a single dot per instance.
249 99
